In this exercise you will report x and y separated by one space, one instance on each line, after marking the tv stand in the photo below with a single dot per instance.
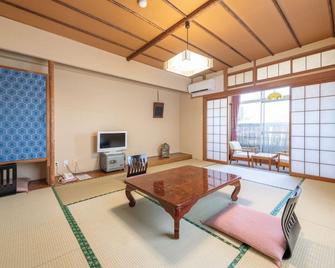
112 161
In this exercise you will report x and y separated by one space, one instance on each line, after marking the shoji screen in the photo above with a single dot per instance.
313 130
217 121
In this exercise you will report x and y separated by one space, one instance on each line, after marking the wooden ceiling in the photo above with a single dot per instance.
232 32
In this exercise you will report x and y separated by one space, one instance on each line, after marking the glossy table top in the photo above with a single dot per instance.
182 185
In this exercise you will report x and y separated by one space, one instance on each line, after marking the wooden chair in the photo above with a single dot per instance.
245 224
237 152
283 160
290 224
137 165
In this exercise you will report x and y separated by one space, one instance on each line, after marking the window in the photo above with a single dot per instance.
264 122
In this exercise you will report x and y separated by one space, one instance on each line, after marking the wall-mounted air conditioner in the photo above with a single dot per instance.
205 87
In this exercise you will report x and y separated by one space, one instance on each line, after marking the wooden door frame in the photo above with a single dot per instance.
204 128
51 124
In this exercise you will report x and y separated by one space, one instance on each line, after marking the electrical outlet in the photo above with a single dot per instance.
66 162
57 164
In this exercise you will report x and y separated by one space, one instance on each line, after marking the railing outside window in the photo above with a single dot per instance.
264 123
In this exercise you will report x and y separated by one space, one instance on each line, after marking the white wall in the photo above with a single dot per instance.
34 42
191 125
86 102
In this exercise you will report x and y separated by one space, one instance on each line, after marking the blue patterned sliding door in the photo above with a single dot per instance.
22 115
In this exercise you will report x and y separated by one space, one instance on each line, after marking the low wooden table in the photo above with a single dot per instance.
178 189
264 157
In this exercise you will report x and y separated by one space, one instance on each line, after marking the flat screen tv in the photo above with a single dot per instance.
111 141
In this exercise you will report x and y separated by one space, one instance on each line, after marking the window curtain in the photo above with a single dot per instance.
234 116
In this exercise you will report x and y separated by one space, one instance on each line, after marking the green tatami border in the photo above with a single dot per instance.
91 259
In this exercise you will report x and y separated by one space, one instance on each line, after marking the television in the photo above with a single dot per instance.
111 141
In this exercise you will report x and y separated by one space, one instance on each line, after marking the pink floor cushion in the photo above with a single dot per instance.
261 231
22 185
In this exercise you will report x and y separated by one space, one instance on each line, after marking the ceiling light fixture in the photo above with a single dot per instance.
275 96
142 3
187 62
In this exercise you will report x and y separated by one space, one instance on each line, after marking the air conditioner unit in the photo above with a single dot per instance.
205 87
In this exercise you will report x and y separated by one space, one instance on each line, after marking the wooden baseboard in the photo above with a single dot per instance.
152 161
311 177
174 157
217 161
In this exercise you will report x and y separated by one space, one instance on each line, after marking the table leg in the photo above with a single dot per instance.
176 228
130 197
270 164
177 214
236 190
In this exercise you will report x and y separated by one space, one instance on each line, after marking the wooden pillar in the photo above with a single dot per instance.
50 124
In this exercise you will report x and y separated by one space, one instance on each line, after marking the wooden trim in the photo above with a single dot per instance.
204 130
289 132
28 161
311 177
287 23
331 15
75 28
225 80
200 49
254 76
295 81
138 15
22 70
234 15
295 74
240 85
91 16
51 123
296 56
220 40
125 8
241 71
171 29
174 157
315 51
217 161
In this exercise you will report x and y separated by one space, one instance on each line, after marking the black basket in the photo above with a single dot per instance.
8 177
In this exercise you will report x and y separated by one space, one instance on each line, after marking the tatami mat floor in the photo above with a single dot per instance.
35 233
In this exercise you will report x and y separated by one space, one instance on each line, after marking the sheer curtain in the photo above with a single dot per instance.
234 116
264 123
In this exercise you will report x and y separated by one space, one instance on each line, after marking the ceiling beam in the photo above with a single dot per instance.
220 39
288 25
125 8
207 30
171 29
203 51
73 27
331 14
107 23
234 15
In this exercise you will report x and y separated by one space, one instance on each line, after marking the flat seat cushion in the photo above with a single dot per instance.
284 159
261 231
241 154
